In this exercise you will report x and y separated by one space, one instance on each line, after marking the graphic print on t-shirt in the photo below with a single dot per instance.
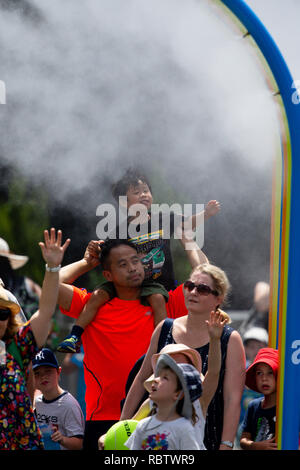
150 247
153 244
264 430
155 442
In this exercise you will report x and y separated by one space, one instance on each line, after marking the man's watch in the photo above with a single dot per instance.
228 444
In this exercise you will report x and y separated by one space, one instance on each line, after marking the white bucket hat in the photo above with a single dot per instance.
16 261
260 334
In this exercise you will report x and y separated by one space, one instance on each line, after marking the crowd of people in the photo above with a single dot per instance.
163 355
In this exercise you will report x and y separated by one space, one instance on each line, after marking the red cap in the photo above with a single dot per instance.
266 355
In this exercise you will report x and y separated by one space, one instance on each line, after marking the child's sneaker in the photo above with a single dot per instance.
71 344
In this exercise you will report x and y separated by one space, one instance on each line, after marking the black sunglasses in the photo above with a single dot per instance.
4 314
202 289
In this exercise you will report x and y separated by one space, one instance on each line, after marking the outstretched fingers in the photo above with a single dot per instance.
66 244
59 236
46 238
53 239
215 324
52 248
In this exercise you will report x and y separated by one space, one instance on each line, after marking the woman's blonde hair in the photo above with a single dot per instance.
220 281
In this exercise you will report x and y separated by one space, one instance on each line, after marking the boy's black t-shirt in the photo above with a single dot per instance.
152 241
259 422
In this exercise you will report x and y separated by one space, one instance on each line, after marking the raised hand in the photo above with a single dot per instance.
212 208
215 324
92 252
52 250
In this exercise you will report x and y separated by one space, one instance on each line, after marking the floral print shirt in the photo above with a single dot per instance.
153 434
18 426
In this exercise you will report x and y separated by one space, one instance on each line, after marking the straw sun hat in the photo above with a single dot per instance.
16 261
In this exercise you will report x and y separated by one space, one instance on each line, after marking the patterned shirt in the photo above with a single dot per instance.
18 427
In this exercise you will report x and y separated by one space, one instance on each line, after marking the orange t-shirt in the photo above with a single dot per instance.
117 337
176 304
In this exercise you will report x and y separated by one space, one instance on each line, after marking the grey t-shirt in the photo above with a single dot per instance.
63 412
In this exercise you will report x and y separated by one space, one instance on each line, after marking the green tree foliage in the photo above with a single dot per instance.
23 217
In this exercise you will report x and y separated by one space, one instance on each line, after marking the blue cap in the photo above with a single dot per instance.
45 357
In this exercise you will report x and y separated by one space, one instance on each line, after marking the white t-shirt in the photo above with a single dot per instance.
152 434
64 412
199 425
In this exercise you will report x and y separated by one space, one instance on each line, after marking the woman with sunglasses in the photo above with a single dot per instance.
19 343
204 292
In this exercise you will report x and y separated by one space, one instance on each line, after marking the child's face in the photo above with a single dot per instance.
46 378
265 379
164 388
139 194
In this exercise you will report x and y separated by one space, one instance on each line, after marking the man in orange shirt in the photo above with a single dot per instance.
119 334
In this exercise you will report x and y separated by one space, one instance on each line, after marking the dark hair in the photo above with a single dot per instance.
130 178
108 245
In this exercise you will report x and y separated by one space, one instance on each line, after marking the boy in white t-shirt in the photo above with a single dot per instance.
58 413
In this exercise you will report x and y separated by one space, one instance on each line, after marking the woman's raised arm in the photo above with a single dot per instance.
53 253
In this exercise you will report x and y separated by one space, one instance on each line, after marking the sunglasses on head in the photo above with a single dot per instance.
202 289
4 314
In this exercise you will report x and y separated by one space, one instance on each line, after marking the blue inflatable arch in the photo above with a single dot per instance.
284 318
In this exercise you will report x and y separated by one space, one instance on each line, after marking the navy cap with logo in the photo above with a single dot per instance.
45 357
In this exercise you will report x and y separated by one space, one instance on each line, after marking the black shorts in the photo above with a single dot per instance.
94 430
